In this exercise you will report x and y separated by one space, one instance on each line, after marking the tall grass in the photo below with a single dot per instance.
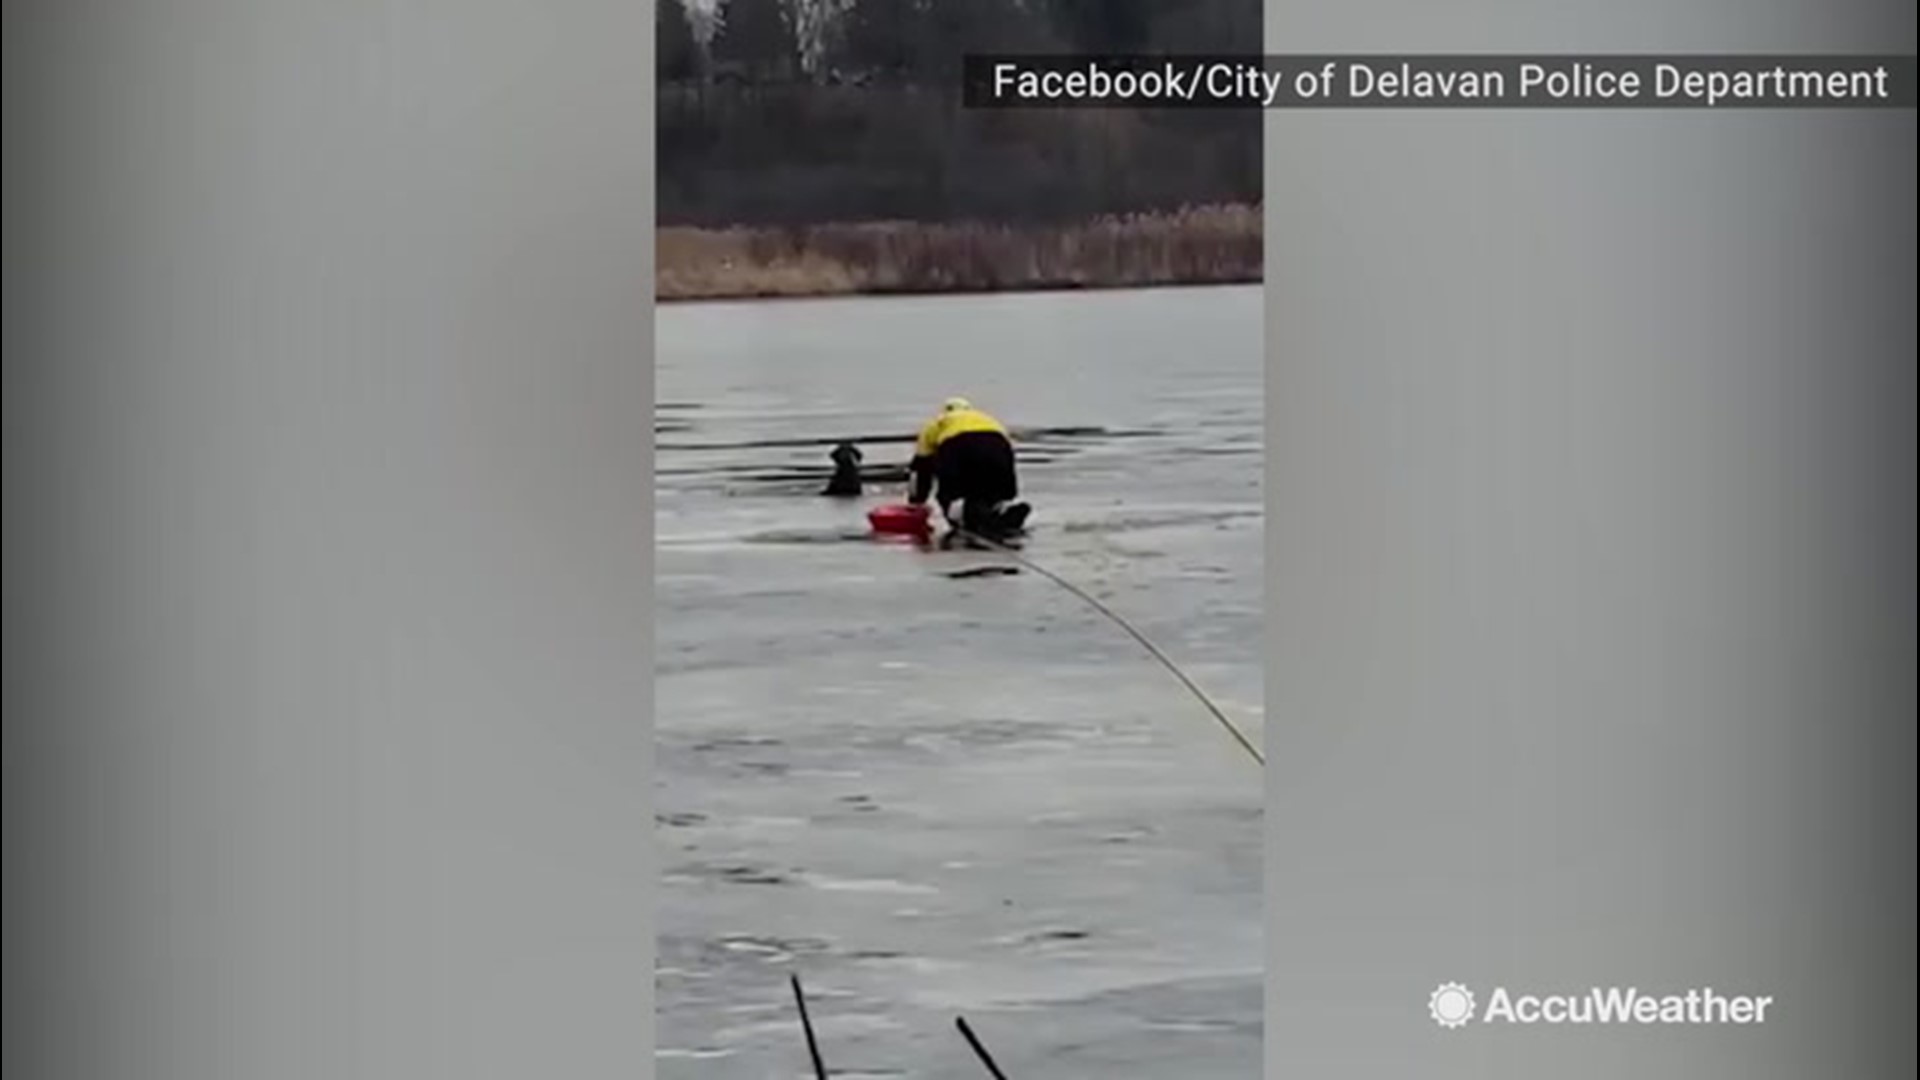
1197 245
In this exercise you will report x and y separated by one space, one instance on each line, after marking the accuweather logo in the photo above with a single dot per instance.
1453 1006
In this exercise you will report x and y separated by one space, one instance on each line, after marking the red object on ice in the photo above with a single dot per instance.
902 519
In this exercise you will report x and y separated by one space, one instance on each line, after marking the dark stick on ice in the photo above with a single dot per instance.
813 1048
979 1050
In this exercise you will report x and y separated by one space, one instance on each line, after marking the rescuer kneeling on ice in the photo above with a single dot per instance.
965 456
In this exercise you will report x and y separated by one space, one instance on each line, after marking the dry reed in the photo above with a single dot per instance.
1195 246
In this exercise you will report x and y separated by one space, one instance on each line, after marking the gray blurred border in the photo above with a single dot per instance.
1591 548
328 540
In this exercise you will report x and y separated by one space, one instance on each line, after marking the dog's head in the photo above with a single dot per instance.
846 455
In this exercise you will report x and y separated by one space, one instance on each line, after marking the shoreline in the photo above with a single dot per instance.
913 293
1196 246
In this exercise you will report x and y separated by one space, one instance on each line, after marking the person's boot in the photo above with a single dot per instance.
979 524
1005 520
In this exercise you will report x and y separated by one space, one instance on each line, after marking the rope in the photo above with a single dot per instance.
1016 555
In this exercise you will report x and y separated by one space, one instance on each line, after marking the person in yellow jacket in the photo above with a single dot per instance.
965 456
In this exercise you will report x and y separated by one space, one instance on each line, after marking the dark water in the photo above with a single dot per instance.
933 796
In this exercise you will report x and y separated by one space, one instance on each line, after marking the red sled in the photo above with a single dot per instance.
901 519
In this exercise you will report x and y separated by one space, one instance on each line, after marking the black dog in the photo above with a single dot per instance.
845 482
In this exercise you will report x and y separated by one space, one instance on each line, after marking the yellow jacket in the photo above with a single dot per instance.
950 423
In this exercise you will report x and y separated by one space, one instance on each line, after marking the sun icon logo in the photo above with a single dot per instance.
1451 1005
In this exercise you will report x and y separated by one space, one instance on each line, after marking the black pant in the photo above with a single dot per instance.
975 468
